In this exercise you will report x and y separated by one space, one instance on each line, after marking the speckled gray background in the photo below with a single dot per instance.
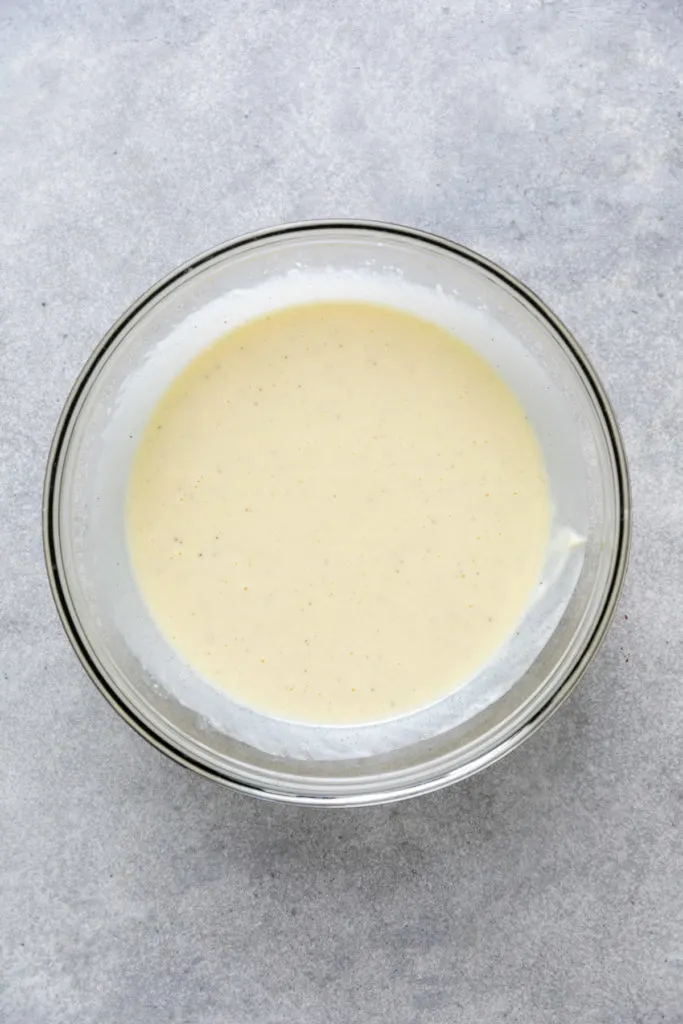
549 135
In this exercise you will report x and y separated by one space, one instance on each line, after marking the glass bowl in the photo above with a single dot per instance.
114 635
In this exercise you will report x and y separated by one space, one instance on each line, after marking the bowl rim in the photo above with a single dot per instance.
80 643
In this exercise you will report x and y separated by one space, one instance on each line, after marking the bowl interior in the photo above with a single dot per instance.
113 630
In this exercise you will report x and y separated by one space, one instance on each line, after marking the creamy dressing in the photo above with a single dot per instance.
338 513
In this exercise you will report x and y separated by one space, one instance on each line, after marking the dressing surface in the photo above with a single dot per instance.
337 513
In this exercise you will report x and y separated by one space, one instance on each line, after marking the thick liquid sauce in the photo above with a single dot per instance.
337 513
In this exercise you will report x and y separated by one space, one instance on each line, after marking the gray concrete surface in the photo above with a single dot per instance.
549 136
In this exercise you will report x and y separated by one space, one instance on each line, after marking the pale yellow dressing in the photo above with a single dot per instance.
338 513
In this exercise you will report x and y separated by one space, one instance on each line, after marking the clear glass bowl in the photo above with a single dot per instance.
95 591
